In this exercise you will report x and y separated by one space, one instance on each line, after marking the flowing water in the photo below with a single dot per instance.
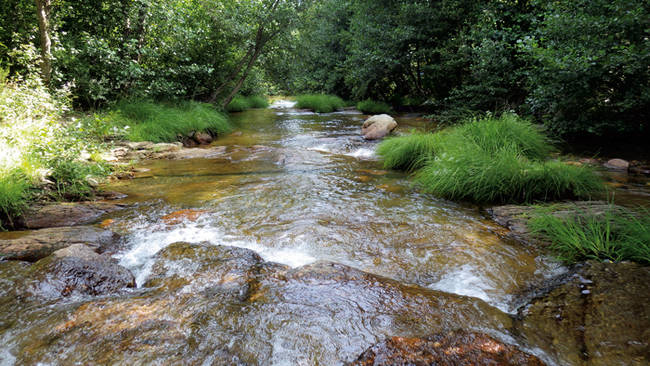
358 255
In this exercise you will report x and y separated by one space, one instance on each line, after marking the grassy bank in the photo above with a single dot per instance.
373 107
44 155
319 103
158 122
617 234
240 104
489 160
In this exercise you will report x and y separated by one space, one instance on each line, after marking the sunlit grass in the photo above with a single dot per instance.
373 107
240 104
489 160
616 234
319 103
157 122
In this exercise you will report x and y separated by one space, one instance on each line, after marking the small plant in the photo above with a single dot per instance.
14 196
373 107
319 103
616 234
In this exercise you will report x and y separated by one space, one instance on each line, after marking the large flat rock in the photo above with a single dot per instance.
66 214
37 244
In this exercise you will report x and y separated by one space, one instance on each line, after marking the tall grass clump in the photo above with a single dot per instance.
157 122
14 195
373 107
319 103
616 234
489 160
240 103
410 152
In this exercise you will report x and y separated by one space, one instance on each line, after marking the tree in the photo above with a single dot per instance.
43 8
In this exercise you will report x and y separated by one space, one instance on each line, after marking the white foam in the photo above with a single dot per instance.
148 240
283 104
362 153
464 281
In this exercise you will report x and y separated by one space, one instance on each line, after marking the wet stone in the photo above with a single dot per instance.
66 214
599 316
34 245
456 348
77 269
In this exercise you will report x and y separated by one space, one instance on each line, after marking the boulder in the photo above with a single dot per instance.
456 348
77 269
202 138
377 127
599 316
617 164
34 245
66 214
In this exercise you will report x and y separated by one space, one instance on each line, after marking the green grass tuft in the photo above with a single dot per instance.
409 152
148 121
240 104
14 195
491 160
373 107
319 103
616 235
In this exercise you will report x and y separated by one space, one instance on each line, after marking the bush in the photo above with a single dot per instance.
617 234
240 104
489 160
372 107
319 103
148 121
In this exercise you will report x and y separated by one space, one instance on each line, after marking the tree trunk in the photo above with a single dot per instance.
215 94
43 14
239 84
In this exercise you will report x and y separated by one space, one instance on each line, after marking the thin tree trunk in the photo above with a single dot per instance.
43 15
215 94
239 84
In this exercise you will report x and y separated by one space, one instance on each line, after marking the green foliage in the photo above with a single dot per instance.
489 160
616 234
14 195
319 103
373 107
148 121
240 104
410 152
39 145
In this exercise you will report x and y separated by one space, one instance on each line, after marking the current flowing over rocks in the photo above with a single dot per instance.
286 243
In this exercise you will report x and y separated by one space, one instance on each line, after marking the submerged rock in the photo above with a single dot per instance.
600 316
177 217
77 269
37 244
617 164
377 127
66 214
456 348
206 304
192 153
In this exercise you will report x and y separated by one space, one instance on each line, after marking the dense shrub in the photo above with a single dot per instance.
373 107
617 234
320 103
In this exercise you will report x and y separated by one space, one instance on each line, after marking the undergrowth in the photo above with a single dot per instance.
319 103
616 234
373 107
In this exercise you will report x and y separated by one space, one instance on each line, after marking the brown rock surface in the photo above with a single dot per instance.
456 348
34 245
377 127
66 214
